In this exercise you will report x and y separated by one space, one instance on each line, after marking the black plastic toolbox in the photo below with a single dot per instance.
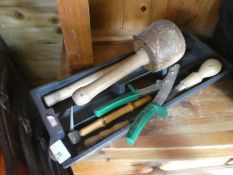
196 53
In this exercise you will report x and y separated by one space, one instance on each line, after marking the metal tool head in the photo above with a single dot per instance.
167 84
150 89
74 136
163 42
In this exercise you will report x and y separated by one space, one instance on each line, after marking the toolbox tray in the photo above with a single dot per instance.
196 53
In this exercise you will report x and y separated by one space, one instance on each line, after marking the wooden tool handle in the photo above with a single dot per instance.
102 122
92 140
66 92
209 68
85 94
125 109
92 127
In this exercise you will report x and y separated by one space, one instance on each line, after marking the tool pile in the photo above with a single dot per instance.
83 113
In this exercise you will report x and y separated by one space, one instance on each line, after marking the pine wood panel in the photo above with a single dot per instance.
158 9
111 168
196 16
164 154
38 52
136 13
110 51
184 167
28 17
28 3
75 21
15 36
25 23
105 14
32 31
114 35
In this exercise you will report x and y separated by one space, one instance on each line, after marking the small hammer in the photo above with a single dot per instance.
75 135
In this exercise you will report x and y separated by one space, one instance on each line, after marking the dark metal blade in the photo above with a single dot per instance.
167 84
173 94
150 89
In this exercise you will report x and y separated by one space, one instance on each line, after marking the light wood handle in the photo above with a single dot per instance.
102 122
209 68
92 140
66 92
125 109
83 95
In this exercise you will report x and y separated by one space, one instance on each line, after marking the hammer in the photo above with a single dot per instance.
159 46
75 135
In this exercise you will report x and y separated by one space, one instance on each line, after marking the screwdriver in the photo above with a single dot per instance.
209 68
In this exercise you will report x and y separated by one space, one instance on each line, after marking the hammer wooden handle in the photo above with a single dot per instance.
102 122
66 92
85 94
209 68
158 46
92 140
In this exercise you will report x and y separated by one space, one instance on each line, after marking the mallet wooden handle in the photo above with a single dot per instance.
66 92
102 122
209 68
85 94
92 140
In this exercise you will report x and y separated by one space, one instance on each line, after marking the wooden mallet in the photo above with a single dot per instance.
66 92
159 46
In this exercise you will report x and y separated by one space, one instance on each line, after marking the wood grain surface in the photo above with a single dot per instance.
75 24
198 132
185 167
204 122
119 20
32 29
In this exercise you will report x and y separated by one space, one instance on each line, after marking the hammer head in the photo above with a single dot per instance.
74 136
163 42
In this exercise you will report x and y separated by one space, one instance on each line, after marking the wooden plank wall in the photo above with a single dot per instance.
32 30
120 19
76 32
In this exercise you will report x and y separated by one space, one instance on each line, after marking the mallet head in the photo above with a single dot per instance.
159 46
163 42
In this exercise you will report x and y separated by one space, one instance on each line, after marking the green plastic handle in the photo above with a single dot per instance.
117 102
141 120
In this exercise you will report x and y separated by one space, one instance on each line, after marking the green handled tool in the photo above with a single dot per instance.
155 107
133 95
